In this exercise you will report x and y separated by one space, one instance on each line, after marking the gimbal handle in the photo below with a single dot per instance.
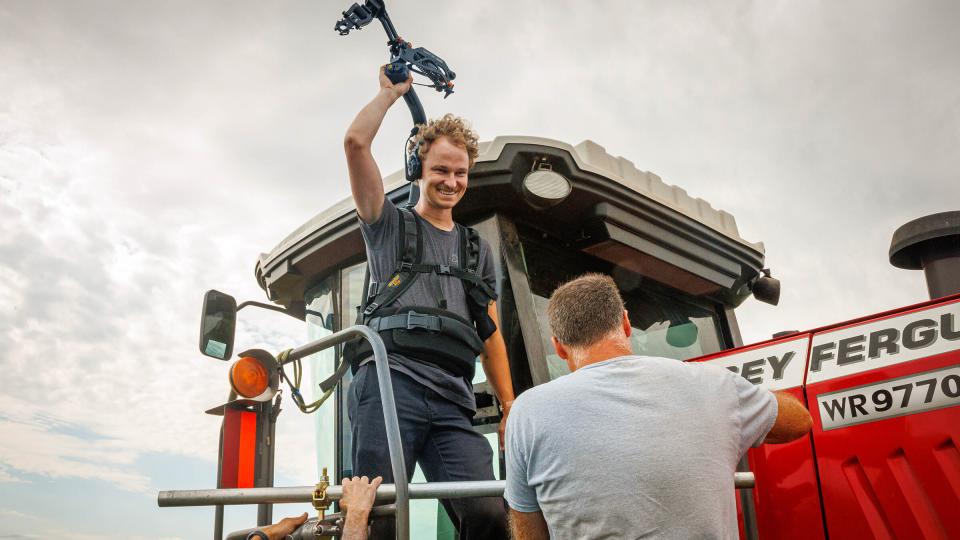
398 72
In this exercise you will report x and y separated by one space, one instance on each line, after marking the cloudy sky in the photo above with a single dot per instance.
150 151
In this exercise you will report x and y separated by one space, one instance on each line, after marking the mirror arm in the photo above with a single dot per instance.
271 307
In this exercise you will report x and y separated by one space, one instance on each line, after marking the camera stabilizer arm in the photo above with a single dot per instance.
404 58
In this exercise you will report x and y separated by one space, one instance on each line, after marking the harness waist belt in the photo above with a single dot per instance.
445 341
407 321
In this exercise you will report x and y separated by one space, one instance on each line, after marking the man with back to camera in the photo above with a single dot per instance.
632 446
431 367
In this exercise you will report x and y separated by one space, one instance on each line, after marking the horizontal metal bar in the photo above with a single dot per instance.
386 492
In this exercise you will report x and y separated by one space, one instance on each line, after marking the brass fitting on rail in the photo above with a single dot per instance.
320 500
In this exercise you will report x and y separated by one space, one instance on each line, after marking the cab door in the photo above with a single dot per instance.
884 394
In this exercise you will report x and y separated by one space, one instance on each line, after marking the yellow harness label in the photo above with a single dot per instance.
394 282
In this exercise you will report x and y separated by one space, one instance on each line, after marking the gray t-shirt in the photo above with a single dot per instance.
439 247
635 447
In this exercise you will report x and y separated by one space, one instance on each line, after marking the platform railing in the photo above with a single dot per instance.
399 493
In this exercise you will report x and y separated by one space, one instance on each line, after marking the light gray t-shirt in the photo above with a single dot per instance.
439 247
635 447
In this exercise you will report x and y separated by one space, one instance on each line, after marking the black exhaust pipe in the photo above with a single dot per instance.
933 244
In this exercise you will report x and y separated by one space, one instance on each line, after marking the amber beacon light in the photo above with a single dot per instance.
250 378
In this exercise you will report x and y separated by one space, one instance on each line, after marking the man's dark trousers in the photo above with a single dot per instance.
437 434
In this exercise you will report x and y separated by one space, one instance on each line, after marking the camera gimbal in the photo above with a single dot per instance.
404 58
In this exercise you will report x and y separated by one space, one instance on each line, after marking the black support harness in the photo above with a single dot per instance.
430 334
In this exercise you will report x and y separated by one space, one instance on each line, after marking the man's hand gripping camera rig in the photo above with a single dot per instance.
404 58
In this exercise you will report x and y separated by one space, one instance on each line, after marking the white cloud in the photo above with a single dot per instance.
16 514
33 448
6 477
99 309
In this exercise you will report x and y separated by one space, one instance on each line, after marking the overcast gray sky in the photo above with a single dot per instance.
151 150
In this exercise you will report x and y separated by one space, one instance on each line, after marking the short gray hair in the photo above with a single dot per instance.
585 310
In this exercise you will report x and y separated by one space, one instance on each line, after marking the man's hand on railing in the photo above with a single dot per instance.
279 530
357 500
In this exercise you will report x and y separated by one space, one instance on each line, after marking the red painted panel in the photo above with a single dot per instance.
229 448
786 496
237 469
248 449
896 477
892 478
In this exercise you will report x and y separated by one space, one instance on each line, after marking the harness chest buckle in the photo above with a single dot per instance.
443 269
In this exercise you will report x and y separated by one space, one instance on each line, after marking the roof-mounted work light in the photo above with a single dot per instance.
543 187
255 375
765 288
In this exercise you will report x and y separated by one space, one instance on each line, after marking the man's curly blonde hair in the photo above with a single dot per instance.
452 127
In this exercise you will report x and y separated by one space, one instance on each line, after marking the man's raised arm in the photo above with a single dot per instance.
366 183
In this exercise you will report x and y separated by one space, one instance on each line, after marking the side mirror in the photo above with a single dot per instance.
765 288
218 325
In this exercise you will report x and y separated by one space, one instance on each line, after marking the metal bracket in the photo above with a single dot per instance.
320 500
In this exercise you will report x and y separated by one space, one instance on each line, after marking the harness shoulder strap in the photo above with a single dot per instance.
470 249
409 255
410 248
478 292
469 272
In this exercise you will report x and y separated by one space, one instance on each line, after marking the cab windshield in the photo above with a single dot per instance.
665 322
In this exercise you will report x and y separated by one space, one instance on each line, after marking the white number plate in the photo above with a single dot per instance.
896 397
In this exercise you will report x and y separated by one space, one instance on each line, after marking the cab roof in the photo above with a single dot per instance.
588 155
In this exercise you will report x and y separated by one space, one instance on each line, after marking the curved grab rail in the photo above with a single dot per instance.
390 421
394 445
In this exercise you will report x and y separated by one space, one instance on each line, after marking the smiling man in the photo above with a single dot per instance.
431 297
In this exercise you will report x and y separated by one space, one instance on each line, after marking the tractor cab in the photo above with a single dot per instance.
550 212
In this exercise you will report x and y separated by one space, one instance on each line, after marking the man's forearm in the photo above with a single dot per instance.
355 526
495 363
366 183
367 123
528 526
497 368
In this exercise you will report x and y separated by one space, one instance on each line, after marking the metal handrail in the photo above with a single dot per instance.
386 492
401 493
392 425
301 494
